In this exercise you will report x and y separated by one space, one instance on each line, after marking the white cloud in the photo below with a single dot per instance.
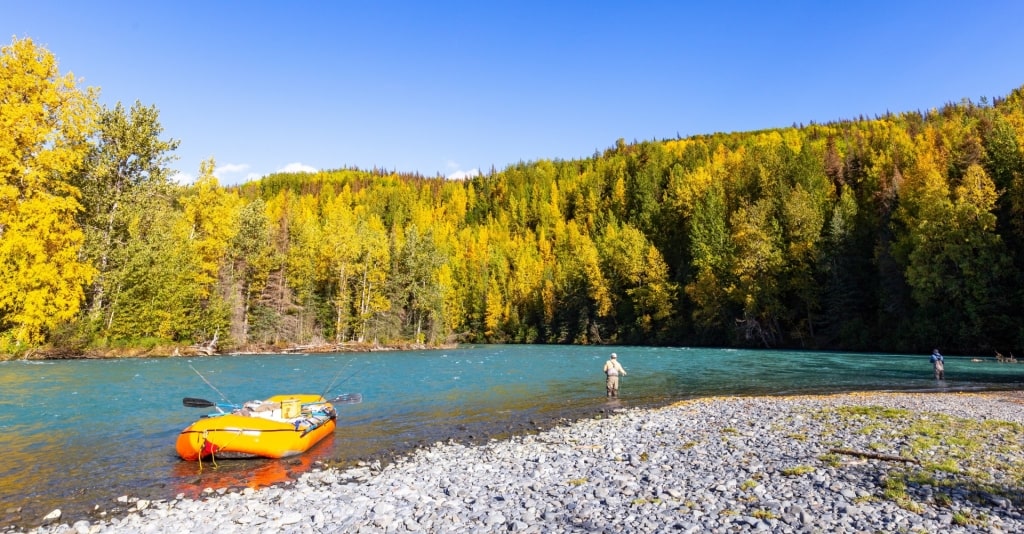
230 168
183 178
462 175
297 167
459 174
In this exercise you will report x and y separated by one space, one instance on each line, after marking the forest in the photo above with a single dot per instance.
895 233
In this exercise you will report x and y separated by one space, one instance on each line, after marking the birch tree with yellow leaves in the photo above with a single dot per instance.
45 124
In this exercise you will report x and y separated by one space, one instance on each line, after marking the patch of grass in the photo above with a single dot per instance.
949 465
748 485
965 518
921 477
578 481
800 436
831 459
730 430
895 489
923 443
981 457
728 512
688 445
763 513
875 412
644 456
147 343
797 470
872 428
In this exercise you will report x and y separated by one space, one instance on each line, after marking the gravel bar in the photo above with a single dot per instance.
861 462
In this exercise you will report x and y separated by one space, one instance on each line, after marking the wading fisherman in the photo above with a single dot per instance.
612 370
938 365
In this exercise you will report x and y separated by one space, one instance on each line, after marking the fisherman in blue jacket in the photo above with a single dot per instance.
938 365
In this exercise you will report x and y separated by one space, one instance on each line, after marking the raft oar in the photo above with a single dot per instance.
190 402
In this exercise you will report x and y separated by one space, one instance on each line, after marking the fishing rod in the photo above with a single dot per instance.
333 380
332 385
211 385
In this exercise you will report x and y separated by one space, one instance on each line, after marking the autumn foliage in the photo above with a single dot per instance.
898 233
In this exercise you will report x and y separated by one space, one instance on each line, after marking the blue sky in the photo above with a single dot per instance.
449 88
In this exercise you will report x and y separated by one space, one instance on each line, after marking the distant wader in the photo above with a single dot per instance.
938 365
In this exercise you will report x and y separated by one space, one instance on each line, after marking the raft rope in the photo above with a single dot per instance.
202 445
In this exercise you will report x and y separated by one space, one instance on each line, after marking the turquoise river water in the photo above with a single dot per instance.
80 433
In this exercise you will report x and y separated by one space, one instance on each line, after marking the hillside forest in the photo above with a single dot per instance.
892 233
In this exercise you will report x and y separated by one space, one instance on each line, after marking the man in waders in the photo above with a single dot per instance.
938 365
612 370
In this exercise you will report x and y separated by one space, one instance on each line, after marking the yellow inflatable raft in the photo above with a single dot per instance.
281 426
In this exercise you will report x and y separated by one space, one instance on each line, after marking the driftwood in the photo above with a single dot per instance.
875 456
208 348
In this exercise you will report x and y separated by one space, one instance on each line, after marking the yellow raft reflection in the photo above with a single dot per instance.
281 426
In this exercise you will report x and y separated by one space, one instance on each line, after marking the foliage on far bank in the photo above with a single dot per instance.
898 233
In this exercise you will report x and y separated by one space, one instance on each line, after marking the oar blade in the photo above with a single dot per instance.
347 398
190 402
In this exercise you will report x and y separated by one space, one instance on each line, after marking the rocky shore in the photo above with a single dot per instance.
875 462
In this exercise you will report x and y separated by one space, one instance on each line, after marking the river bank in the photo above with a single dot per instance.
165 351
912 462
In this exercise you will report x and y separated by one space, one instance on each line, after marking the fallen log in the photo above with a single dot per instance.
875 456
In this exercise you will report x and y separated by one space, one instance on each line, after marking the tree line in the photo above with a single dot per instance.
893 233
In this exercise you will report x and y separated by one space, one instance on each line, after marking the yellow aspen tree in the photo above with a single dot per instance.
453 312
374 259
338 256
210 223
526 270
495 310
300 233
590 263
45 123
757 269
455 204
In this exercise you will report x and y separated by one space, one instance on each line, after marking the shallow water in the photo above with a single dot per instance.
80 433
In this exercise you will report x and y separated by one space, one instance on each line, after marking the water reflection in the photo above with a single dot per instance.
192 478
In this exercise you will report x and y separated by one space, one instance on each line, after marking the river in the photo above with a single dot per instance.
80 433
